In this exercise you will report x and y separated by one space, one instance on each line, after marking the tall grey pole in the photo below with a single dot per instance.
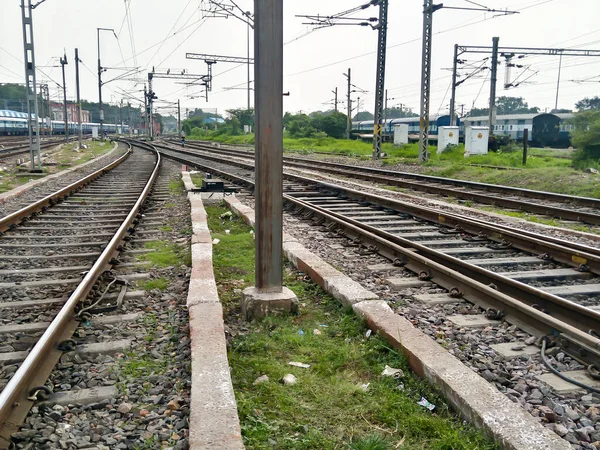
428 9
178 118
150 106
63 63
453 96
380 79
31 84
146 110
100 89
494 76
268 102
248 54
335 100
558 82
78 97
349 103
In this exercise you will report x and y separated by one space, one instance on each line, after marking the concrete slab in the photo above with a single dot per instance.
382 267
476 399
83 396
401 283
87 349
472 321
436 299
258 305
561 386
514 349
214 421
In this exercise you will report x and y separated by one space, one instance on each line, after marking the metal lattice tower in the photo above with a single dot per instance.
380 78
32 100
428 9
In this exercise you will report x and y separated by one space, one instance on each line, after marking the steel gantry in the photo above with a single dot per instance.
508 53
150 95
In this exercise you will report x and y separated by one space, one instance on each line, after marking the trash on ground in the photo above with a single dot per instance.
364 387
301 332
368 334
216 241
289 379
226 215
260 380
426 404
315 331
299 364
391 372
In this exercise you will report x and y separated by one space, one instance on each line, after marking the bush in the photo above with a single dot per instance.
586 136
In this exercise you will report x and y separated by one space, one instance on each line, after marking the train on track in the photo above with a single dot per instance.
544 129
14 123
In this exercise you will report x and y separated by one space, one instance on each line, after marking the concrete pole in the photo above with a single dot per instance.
78 96
248 54
100 89
428 10
268 101
335 100
179 118
453 96
494 77
349 103
558 82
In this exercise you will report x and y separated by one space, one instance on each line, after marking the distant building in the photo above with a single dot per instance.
57 112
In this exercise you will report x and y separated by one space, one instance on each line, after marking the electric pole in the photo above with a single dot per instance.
31 85
63 63
179 118
380 78
146 111
78 96
558 82
349 103
453 95
494 76
121 115
335 101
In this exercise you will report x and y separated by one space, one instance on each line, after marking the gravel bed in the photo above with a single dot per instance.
153 376
574 416
43 189
417 199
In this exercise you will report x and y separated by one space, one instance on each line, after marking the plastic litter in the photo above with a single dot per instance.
301 332
225 215
216 241
368 334
315 331
391 372
289 379
299 364
323 325
365 387
425 403
227 231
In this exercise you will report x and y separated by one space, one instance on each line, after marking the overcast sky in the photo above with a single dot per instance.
163 31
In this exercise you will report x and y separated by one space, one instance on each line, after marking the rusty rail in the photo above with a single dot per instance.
19 394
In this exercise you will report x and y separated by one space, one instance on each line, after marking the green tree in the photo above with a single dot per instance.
586 136
507 105
588 103
363 115
243 116
333 125
400 112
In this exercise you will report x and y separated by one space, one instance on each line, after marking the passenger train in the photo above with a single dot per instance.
13 123
544 129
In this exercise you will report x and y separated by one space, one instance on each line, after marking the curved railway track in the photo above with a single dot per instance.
566 207
546 286
52 253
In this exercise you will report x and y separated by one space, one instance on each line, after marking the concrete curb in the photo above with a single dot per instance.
469 394
214 421
20 190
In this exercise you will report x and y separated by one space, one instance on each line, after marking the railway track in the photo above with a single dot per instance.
52 254
24 148
565 207
546 286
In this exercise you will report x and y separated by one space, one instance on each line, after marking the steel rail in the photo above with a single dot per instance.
16 217
501 189
17 397
540 313
571 253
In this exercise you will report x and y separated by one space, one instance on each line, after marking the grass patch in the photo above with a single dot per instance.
197 179
541 220
166 254
328 408
177 186
157 283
